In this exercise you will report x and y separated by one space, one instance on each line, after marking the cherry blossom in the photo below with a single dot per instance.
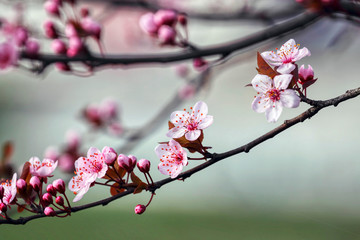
9 190
79 185
8 54
42 169
285 58
190 124
172 158
273 95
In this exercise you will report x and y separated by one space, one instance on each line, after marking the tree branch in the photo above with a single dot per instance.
215 157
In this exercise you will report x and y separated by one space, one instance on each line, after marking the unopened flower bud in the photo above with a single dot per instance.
35 183
32 47
58 46
59 200
143 165
139 209
70 30
50 30
3 207
52 8
59 185
126 162
305 75
109 154
147 23
182 19
91 27
165 17
199 64
20 185
47 199
75 46
49 211
84 12
50 189
166 34
63 66
21 36
1 192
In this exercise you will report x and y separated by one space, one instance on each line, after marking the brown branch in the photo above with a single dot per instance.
95 60
215 157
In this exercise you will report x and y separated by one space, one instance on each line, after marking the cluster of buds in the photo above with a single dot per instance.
163 25
54 191
69 152
78 27
320 5
104 116
17 39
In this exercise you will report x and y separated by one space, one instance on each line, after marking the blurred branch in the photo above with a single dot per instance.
215 157
95 60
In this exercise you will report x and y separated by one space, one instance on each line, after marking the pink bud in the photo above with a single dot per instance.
165 17
84 12
59 185
66 163
8 55
92 114
32 47
91 27
126 162
1 192
62 66
47 199
3 207
58 46
49 211
52 8
182 19
143 165
108 109
75 46
50 189
70 30
59 200
139 209
109 154
199 64
147 23
21 36
305 75
166 34
50 29
20 185
35 183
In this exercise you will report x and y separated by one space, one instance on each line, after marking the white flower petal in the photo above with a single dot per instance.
289 99
206 122
286 68
273 112
91 152
162 150
176 132
200 110
81 192
262 83
272 58
260 103
288 46
192 135
282 81
301 54
178 118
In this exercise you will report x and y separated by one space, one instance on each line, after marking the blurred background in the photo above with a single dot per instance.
303 184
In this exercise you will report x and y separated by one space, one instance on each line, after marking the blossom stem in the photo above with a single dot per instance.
120 178
147 180
152 182
152 195
30 210
67 200
99 183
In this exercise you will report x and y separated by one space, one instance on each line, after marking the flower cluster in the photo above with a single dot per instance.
163 25
187 129
277 87
79 26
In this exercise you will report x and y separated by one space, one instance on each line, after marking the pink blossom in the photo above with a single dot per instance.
140 209
190 124
42 169
305 74
172 158
32 47
143 165
79 185
147 23
285 58
166 34
8 55
108 109
50 29
165 17
35 183
127 162
91 27
21 185
10 190
58 46
49 211
109 154
52 7
273 95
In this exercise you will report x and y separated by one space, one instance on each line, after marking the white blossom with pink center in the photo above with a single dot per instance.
172 158
285 58
9 190
273 95
88 170
190 124
42 169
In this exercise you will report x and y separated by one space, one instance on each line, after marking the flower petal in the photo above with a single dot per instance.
272 58
91 152
176 132
262 83
206 122
282 81
178 118
81 192
289 99
171 169
286 68
288 46
199 111
260 103
273 112
192 135
301 54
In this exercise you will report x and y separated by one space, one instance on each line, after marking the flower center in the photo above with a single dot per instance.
96 166
273 94
177 158
192 126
